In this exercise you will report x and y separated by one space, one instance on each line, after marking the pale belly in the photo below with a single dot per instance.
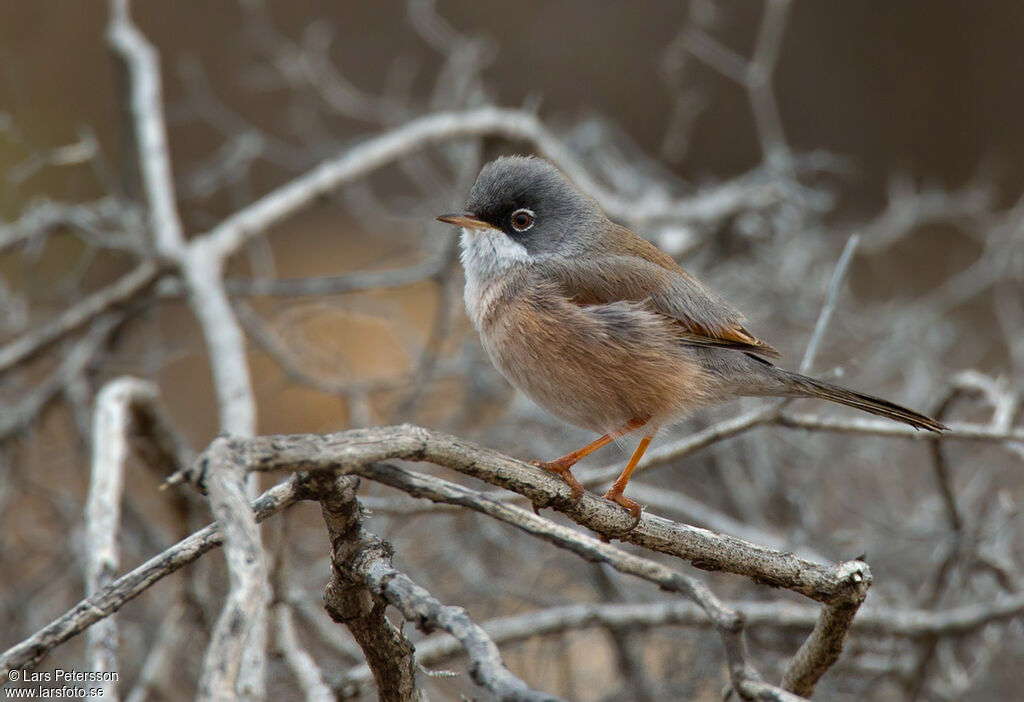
594 370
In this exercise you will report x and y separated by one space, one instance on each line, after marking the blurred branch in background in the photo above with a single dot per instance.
263 260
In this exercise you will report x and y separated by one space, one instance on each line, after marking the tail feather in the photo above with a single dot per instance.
802 385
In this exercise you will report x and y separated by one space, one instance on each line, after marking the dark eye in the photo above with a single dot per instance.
522 219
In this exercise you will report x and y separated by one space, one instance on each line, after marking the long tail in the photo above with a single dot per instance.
802 385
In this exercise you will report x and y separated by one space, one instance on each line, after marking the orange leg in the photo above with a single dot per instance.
563 466
615 491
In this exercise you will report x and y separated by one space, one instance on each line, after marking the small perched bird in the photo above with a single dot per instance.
602 328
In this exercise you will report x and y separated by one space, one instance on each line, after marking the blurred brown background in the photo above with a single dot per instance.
931 89
929 92
908 109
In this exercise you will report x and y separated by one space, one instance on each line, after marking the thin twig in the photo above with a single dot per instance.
159 662
838 276
729 624
228 237
28 346
84 354
132 584
958 431
145 100
304 669
870 622
111 448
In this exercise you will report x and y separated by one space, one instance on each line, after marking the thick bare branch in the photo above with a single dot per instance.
365 582
355 451
389 654
225 340
249 590
728 623
822 648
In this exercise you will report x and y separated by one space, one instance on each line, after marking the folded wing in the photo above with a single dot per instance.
643 273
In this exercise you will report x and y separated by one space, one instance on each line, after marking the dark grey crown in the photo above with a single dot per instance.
565 218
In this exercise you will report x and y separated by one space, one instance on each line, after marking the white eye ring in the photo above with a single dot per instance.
530 219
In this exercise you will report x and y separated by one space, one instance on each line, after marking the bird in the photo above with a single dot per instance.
603 329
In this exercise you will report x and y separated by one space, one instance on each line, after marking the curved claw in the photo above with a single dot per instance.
635 508
638 513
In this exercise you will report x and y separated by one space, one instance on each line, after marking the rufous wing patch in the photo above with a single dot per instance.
732 337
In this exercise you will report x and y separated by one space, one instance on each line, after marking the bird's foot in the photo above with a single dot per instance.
565 472
635 508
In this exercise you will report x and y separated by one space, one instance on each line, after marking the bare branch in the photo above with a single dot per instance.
43 216
82 356
146 103
132 584
304 668
838 276
227 237
364 581
758 79
729 624
871 621
389 654
822 648
336 284
111 448
201 266
225 340
958 431
355 451
695 511
754 75
237 651
663 501
419 606
247 575
28 346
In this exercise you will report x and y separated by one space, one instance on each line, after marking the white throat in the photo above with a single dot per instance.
487 255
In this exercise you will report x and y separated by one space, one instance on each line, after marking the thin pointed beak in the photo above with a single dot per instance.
465 219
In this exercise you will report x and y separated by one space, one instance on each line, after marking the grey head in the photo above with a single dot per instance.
523 207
